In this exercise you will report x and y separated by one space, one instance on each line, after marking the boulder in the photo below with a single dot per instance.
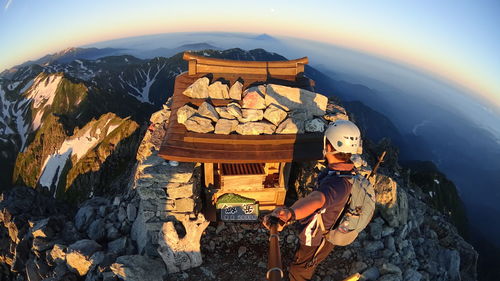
376 230
57 254
184 205
179 190
412 275
295 98
42 244
97 230
199 89
160 116
315 125
335 116
224 112
235 110
208 111
199 124
83 217
118 246
122 214
184 113
390 277
450 259
254 97
290 126
42 229
217 90
225 126
182 252
274 114
138 268
372 246
236 90
251 115
391 201
389 268
255 128
79 255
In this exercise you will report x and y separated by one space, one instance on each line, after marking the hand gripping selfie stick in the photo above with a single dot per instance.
274 271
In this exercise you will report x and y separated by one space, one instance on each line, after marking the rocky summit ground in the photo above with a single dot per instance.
151 231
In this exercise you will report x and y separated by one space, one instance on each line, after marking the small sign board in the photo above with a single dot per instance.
238 211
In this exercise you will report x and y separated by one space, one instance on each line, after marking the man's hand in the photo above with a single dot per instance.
283 214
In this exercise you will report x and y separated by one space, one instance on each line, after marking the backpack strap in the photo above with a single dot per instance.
321 225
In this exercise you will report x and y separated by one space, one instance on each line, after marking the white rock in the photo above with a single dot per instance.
290 126
251 115
295 98
225 126
182 253
315 125
236 90
217 90
255 128
274 114
254 97
207 110
199 89
224 112
199 124
234 109
184 113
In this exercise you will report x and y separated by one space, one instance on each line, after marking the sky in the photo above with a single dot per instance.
458 40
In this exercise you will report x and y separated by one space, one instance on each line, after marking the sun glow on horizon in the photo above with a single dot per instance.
407 33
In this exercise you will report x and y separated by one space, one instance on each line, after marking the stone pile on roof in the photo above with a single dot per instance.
261 109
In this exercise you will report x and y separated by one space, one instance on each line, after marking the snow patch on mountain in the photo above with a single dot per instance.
13 85
21 124
53 167
27 86
78 146
44 91
149 78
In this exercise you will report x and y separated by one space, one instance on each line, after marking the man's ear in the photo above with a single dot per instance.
329 147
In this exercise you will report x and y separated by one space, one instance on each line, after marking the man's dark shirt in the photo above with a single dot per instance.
336 188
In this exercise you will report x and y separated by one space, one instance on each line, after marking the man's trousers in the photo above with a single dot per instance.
303 266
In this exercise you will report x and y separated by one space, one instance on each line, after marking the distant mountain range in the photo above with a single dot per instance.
60 121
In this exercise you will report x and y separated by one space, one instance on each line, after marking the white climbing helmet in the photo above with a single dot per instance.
344 136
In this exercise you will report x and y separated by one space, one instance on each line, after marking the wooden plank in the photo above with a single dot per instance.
192 67
202 68
215 61
184 154
208 169
242 182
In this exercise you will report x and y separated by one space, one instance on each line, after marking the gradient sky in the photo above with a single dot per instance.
459 40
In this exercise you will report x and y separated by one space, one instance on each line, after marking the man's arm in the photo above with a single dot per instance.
302 207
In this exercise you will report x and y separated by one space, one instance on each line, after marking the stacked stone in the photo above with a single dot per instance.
167 196
263 109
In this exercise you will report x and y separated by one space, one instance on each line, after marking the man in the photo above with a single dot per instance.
341 140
